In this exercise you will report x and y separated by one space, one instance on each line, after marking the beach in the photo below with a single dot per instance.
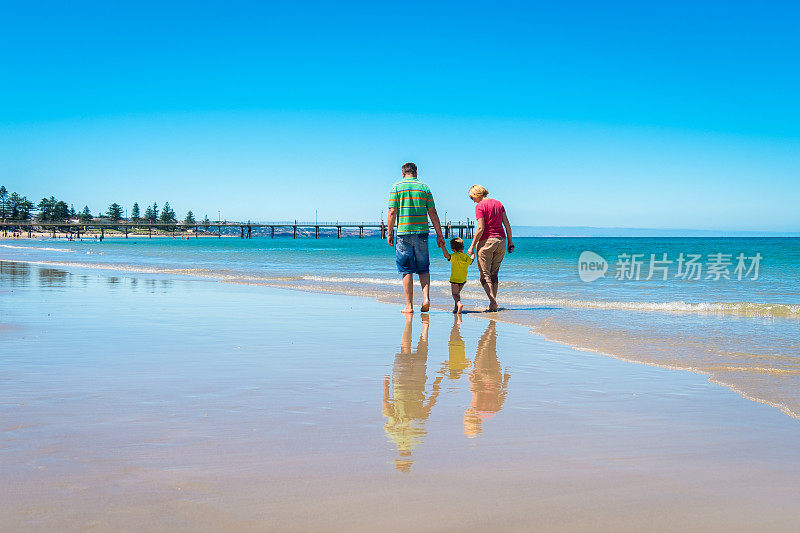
167 400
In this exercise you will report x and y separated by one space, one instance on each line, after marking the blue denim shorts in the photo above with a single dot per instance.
412 253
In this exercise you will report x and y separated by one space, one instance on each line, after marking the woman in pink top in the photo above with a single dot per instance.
490 240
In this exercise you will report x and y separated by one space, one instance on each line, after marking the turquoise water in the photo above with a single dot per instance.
744 333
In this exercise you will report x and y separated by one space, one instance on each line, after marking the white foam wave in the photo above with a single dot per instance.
41 248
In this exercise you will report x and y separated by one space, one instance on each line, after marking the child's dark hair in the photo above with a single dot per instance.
457 245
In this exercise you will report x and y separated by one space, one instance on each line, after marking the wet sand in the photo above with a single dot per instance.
165 403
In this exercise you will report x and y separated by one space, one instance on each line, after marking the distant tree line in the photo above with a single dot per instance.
14 207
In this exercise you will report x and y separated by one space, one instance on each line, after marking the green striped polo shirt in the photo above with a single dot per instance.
412 199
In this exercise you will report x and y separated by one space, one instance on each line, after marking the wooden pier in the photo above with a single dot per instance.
245 229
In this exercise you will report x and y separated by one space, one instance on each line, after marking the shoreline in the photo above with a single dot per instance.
223 406
507 316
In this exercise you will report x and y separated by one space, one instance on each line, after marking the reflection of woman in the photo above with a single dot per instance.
404 402
489 385
491 231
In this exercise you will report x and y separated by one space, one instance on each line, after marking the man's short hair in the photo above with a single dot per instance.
457 245
410 168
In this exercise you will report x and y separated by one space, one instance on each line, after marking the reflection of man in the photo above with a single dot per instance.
489 385
405 405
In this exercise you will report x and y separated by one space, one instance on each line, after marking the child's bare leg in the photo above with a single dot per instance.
425 282
455 289
408 290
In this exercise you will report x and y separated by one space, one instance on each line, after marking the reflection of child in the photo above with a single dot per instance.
459 265
457 361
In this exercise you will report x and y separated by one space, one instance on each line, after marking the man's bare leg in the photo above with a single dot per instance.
408 289
425 283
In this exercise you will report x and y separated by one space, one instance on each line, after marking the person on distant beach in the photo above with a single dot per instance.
410 205
489 240
459 265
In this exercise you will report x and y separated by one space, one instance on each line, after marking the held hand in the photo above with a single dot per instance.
510 248
390 238
471 251
440 241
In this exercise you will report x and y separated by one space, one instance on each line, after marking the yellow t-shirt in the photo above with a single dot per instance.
459 264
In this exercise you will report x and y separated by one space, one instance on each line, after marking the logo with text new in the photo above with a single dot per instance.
591 266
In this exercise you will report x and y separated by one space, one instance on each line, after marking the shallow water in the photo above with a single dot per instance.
744 333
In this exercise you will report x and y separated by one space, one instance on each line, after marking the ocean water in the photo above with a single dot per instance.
737 319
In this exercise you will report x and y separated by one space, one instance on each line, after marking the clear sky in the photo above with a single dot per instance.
636 114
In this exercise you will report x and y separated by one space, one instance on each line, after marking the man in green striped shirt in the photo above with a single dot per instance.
410 205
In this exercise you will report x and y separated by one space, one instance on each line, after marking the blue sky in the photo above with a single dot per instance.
678 115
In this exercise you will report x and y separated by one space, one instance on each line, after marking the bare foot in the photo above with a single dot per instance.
426 306
455 309
492 307
408 310
459 308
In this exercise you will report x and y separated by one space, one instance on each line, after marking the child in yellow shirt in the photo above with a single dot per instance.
459 265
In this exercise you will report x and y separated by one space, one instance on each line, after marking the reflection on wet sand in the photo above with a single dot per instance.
457 360
52 277
408 399
406 403
15 274
488 383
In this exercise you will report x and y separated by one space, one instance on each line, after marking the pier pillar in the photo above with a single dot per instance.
79 232
295 231
126 232
54 232
361 232
383 230
219 231
338 232
195 232
242 228
272 232
249 232
316 235
150 232
102 233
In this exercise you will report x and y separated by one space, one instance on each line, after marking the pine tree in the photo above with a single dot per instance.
85 215
14 202
189 218
154 213
135 212
46 207
3 196
60 211
72 212
167 214
26 208
115 212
